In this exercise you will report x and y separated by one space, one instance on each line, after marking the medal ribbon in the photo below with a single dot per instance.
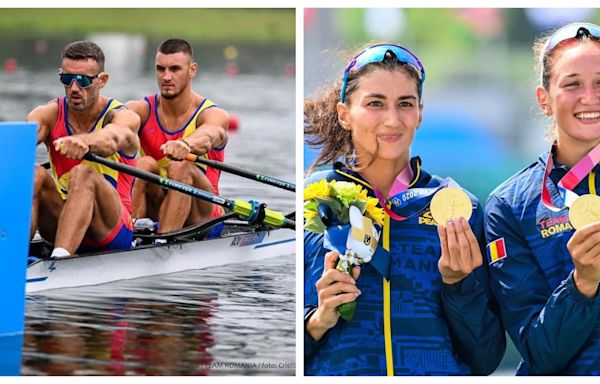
570 180
400 185
400 197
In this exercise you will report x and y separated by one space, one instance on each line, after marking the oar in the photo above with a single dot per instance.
250 211
243 172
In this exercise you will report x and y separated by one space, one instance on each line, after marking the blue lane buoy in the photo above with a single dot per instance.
10 350
17 156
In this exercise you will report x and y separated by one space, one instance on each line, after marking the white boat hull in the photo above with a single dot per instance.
102 268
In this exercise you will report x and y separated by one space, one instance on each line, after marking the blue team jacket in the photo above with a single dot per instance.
436 329
555 327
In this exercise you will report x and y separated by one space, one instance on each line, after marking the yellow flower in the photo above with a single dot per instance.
308 215
374 212
362 194
318 189
338 195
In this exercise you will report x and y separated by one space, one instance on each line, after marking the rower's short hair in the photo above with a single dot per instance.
176 45
82 50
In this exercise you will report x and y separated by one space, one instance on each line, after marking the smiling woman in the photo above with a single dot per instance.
544 220
411 318
378 134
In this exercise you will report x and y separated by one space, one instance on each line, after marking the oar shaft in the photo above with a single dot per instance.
243 172
242 208
156 179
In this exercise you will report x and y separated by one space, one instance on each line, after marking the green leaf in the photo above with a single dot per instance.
315 225
344 216
362 205
311 205
332 203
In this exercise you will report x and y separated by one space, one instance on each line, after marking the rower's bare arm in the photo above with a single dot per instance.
211 133
119 135
45 115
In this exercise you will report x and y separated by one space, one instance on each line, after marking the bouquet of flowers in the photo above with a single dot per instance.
348 218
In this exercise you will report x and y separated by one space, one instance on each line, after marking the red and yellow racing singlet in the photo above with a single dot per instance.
153 135
61 166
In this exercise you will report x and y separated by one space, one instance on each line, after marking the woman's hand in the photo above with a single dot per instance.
460 251
584 247
333 288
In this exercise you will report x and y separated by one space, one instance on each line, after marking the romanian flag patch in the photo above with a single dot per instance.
496 250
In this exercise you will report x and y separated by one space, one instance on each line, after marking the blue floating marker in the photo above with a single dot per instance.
10 354
17 156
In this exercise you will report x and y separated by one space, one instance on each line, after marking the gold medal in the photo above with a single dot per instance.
450 203
585 210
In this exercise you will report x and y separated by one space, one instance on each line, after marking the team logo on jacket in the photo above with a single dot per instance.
553 226
496 250
426 218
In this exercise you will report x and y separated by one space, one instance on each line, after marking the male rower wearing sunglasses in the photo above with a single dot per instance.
175 123
84 204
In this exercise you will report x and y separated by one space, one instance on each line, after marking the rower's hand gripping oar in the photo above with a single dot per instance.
251 211
243 172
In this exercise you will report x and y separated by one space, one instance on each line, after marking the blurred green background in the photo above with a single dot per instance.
234 48
235 40
259 25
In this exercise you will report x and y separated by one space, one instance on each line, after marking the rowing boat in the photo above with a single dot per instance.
239 242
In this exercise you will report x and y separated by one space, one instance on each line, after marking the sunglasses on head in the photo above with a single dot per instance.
571 31
376 54
83 81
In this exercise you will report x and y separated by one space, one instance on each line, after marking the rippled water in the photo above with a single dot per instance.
235 319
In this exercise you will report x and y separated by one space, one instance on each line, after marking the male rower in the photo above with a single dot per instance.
84 204
176 122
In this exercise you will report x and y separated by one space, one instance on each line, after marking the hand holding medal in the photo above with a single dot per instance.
451 208
450 204
584 249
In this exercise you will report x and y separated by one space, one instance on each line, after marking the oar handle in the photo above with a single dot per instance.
251 210
243 172
242 208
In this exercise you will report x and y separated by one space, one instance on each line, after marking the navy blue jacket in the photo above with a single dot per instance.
436 329
555 327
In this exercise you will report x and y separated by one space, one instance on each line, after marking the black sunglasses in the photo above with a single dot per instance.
83 81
